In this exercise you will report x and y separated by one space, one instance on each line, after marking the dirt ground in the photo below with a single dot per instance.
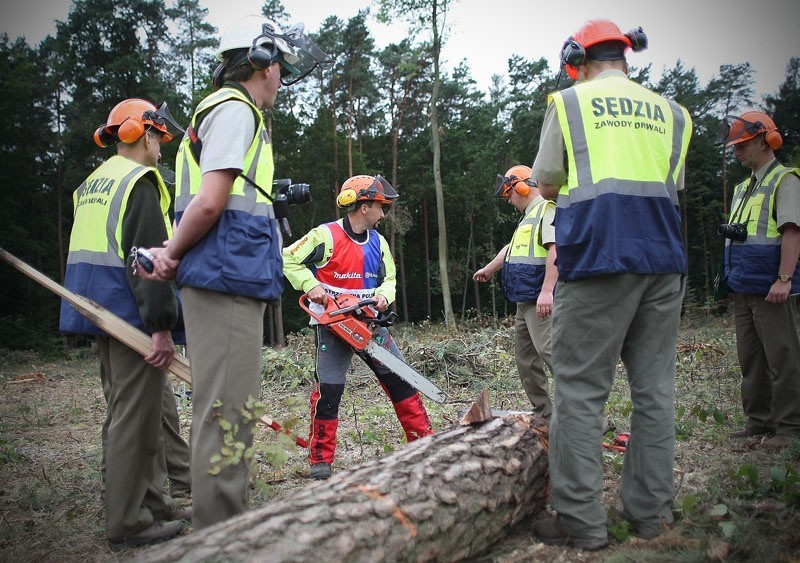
734 501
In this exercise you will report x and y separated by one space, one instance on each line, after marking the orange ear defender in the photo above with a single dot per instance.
128 121
130 130
517 178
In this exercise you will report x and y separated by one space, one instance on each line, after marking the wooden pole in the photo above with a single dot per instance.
118 328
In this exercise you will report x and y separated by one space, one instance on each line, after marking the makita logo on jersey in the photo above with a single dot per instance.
346 276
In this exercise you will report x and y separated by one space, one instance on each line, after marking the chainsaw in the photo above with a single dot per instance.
354 322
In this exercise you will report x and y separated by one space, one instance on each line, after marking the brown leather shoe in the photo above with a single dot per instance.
157 533
747 433
778 442
551 533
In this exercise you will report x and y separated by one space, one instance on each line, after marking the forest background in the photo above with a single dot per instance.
392 110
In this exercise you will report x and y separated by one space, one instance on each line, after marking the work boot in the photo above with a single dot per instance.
182 513
747 433
320 471
157 533
778 442
550 532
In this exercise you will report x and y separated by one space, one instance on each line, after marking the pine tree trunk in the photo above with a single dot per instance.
447 497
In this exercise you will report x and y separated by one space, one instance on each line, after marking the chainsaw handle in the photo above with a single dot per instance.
331 314
351 308
387 318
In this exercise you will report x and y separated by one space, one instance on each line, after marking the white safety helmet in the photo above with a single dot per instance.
267 42
241 33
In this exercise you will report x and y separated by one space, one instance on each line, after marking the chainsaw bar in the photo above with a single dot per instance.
405 372
353 322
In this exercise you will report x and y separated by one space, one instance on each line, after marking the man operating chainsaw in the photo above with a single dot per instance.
350 256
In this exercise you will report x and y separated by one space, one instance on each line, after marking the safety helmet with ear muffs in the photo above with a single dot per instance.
259 42
517 178
128 121
749 125
593 32
365 188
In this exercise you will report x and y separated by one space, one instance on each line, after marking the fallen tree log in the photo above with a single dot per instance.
445 497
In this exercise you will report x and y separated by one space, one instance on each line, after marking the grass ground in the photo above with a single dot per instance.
734 501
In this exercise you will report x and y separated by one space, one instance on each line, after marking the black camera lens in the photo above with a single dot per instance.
298 193
733 231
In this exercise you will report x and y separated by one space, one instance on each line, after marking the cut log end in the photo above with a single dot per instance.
480 411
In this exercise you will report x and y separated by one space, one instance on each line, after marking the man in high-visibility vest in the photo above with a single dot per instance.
761 268
226 251
125 203
529 279
612 155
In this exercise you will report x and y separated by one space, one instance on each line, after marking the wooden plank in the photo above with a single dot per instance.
118 328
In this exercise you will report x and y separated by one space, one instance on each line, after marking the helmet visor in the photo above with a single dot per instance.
306 56
734 130
159 120
389 193
504 185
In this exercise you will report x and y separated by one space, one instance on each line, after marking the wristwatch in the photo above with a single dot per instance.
784 278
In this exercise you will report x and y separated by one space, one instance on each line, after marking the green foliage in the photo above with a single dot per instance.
234 450
783 482
8 453
290 366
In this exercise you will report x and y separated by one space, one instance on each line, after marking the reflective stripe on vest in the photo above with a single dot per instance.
751 267
619 211
524 266
241 253
96 262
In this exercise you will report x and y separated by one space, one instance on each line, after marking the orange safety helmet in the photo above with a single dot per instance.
517 178
737 129
128 121
366 188
593 32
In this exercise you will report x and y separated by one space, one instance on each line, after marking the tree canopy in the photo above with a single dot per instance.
391 110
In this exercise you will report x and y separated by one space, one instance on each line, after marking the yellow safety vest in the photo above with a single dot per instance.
96 262
751 267
241 254
524 266
618 211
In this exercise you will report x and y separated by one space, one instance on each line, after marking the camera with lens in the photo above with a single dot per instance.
735 231
287 194
293 194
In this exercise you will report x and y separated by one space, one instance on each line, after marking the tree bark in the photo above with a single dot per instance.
447 497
